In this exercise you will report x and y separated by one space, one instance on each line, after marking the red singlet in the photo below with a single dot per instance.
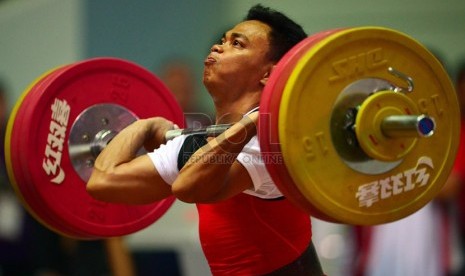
246 235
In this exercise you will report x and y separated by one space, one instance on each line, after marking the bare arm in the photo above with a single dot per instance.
119 257
212 174
121 177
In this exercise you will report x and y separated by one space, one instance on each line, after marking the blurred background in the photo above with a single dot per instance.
172 38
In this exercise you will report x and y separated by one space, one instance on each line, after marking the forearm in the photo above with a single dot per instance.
124 146
209 173
120 176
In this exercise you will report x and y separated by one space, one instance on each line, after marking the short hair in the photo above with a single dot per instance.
284 34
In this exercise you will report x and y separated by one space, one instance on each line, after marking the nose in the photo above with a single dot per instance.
216 48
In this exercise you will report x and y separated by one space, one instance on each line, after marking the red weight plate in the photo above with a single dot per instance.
27 186
39 150
269 115
16 173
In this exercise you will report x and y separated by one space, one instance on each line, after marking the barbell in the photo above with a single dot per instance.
357 126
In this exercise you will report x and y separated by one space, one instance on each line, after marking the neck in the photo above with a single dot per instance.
228 111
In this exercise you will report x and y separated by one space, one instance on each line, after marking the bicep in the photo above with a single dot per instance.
134 182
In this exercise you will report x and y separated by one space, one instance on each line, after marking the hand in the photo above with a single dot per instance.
156 131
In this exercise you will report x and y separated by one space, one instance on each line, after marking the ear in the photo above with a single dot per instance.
267 74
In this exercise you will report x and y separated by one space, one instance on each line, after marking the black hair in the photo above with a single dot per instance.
284 34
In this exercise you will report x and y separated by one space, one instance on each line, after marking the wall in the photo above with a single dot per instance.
40 34
36 36
153 32
439 25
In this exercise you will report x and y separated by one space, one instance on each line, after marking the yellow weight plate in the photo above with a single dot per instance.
369 120
354 194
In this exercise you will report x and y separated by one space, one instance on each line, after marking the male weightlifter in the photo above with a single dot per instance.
246 226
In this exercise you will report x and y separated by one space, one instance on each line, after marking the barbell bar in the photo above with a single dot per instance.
392 126
344 136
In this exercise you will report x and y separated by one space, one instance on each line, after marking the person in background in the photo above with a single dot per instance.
455 184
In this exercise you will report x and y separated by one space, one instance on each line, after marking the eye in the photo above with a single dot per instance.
237 43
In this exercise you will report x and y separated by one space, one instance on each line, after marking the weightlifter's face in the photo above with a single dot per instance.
240 59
